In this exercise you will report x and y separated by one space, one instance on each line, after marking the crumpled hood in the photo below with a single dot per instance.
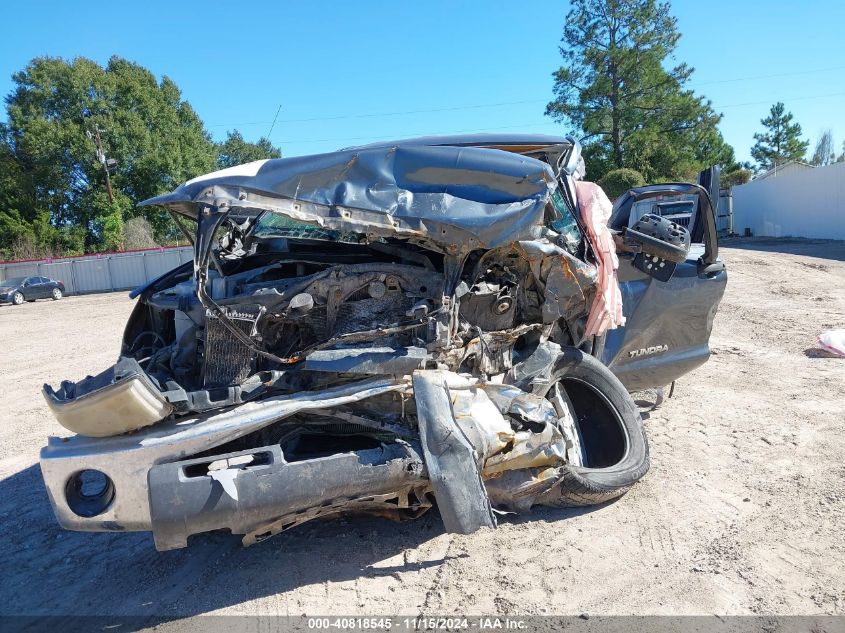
445 194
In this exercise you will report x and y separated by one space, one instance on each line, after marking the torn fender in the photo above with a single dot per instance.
450 457
568 283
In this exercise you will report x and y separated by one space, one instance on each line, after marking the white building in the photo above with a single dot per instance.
798 202
792 167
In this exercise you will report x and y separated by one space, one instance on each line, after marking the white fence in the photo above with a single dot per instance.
102 273
808 203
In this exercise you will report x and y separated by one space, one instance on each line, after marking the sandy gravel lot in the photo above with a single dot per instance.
743 511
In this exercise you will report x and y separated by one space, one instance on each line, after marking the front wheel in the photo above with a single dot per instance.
57 294
17 298
610 448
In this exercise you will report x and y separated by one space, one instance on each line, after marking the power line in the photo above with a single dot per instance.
785 99
383 114
504 103
789 74
413 134
531 124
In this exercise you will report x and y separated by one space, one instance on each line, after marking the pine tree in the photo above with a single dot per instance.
617 88
781 142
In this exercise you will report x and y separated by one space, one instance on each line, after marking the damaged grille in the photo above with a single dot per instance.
356 316
227 360
353 316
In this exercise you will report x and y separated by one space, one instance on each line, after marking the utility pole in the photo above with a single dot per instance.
101 156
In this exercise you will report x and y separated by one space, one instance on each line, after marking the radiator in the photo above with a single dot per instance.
227 360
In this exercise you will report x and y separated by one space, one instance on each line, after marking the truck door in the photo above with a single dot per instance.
668 323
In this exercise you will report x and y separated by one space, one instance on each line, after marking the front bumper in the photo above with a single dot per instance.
267 494
154 484
127 459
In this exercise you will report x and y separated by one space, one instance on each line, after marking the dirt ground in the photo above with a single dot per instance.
743 511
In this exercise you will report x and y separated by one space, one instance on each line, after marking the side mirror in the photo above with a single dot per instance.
660 245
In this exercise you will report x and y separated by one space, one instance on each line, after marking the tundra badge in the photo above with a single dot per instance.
648 351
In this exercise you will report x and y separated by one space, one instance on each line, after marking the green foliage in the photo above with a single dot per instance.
618 181
236 151
781 142
52 184
112 238
57 182
615 87
70 240
13 230
137 233
735 177
109 222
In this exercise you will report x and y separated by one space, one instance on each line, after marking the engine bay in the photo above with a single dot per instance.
285 314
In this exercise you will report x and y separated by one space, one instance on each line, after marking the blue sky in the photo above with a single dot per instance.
350 72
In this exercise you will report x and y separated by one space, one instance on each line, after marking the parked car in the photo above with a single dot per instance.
378 329
19 289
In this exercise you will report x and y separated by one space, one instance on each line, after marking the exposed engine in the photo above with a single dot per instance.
274 313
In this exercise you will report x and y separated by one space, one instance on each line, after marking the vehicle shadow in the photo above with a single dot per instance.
49 572
825 249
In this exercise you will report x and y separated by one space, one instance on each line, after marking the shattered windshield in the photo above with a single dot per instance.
277 225
566 224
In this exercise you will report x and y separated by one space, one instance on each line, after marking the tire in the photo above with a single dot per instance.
615 447
17 298
57 294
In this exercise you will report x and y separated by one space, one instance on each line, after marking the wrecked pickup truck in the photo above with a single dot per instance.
382 328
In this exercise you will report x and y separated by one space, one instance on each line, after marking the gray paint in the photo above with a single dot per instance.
677 313
367 360
181 505
451 199
456 196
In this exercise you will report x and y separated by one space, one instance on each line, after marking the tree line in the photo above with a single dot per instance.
71 122
83 143
621 89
